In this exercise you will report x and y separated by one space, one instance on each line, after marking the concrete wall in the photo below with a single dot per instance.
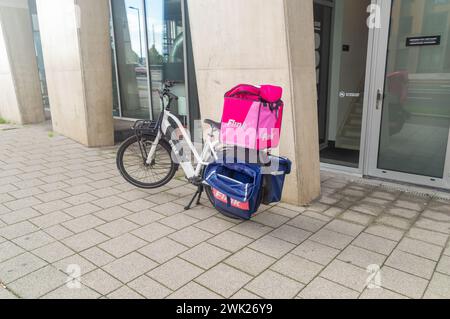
21 100
259 42
77 57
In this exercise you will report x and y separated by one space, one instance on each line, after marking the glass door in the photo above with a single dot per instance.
410 98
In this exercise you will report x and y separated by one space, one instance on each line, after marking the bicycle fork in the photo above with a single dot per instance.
151 154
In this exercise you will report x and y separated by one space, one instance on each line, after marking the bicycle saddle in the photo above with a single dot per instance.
213 124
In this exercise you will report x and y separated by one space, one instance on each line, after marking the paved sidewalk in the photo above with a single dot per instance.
64 209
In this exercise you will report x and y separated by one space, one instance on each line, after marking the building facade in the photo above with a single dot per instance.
367 82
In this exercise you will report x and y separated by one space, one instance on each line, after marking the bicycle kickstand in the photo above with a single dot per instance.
198 194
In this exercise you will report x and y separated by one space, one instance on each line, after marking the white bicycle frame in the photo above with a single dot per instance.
188 167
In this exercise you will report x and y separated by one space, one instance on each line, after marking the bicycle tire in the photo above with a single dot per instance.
121 167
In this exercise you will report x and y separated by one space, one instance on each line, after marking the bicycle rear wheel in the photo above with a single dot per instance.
131 162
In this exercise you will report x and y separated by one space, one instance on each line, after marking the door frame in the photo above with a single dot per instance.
378 55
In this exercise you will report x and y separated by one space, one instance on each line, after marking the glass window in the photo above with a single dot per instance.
166 49
150 46
39 54
130 43
416 111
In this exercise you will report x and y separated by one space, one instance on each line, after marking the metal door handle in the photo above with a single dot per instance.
379 99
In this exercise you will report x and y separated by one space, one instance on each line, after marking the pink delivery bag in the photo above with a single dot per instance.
252 117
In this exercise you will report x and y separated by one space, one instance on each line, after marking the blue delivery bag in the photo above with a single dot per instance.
274 177
236 188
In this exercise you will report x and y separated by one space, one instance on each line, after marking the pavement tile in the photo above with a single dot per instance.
332 239
139 205
224 280
101 282
82 224
270 219
67 265
97 256
18 230
19 216
411 264
51 196
6 294
321 288
433 225
420 248
194 291
214 225
346 274
403 283
439 287
130 267
19 203
230 241
175 273
316 252
50 207
144 217
291 234
271 285
250 261
272 246
361 257
444 265
402 212
393 221
38 283
307 223
201 212
381 293
34 240
297 268
162 250
83 241
356 217
385 231
19 266
9 250
428 236
205 255
149 288
123 245
53 252
286 210
178 221
124 293
368 209
51 219
64 293
252 229
108 202
168 209
245 295
345 227
153 232
117 228
190 236
374 243
82 210
58 232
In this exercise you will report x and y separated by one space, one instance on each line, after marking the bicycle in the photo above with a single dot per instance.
151 157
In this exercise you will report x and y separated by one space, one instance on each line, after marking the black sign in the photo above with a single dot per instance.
423 41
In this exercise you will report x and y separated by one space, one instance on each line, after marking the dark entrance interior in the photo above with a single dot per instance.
341 38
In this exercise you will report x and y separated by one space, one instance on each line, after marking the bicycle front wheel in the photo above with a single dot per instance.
131 162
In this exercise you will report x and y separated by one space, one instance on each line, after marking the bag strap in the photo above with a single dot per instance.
273 107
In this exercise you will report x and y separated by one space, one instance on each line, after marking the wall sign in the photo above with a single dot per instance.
423 41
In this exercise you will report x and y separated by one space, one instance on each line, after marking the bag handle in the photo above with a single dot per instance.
273 106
